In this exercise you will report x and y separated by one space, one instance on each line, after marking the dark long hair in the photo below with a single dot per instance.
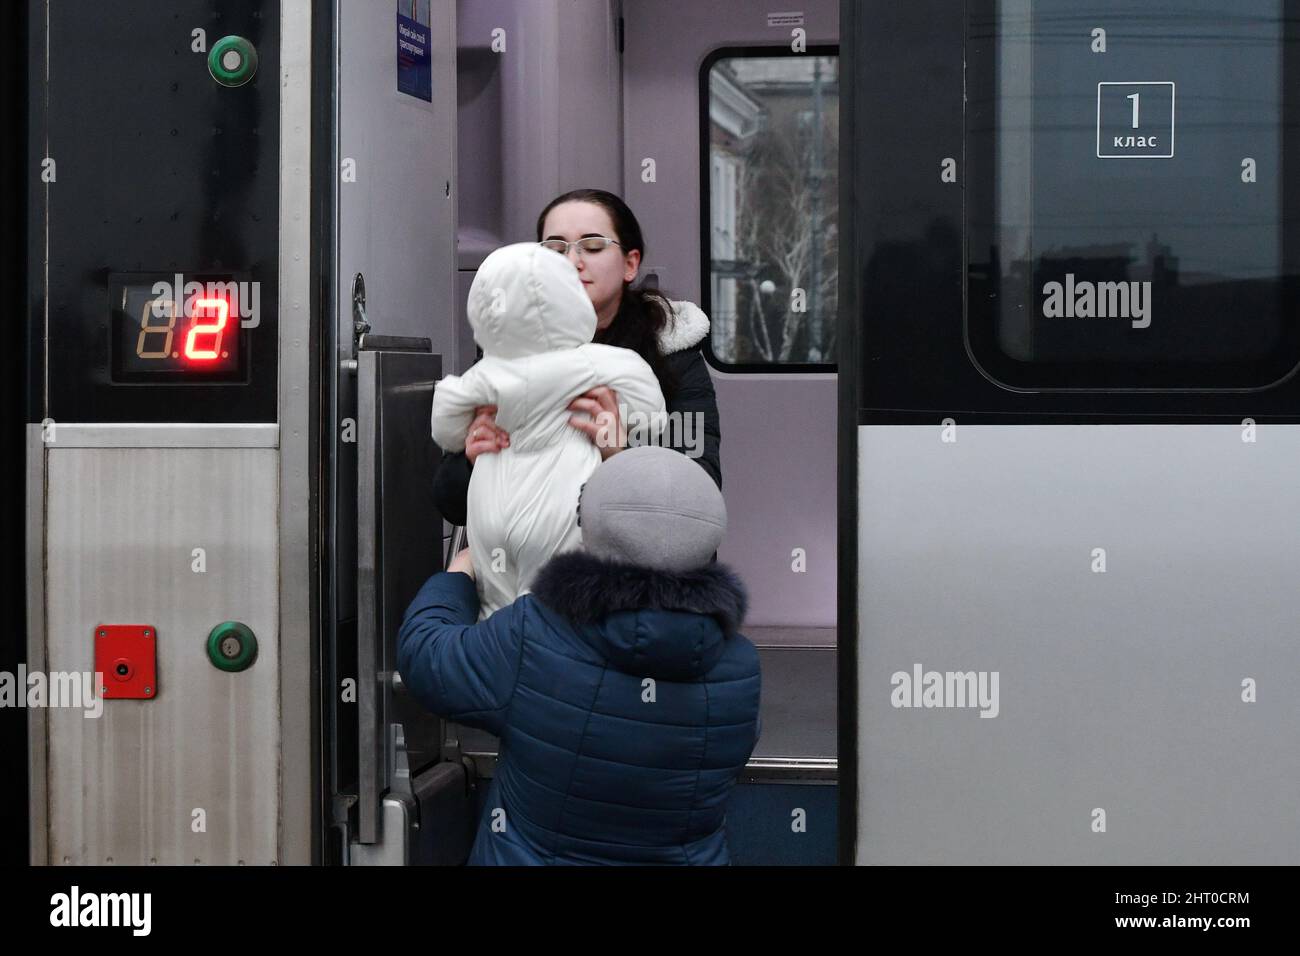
642 313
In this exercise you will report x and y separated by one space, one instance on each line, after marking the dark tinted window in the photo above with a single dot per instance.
1129 224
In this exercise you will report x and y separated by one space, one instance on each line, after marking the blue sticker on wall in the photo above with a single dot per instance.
414 61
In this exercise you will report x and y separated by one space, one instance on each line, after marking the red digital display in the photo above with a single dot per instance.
219 310
159 335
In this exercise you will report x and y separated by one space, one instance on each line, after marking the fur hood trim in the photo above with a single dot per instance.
586 589
687 328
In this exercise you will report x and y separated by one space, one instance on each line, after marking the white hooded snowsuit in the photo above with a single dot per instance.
534 322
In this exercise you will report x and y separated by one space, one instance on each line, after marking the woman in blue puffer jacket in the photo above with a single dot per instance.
626 701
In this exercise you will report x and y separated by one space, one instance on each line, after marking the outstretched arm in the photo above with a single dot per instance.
454 666
454 401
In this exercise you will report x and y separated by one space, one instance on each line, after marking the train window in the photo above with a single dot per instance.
1129 219
770 207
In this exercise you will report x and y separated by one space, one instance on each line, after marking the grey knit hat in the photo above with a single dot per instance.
653 507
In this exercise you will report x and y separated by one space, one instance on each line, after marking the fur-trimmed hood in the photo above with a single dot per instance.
646 621
687 327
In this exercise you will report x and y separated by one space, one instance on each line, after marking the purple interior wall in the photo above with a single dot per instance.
778 431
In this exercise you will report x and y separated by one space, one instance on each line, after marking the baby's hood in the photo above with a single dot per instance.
526 300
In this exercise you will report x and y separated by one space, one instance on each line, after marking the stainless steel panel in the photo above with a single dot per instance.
183 435
432 826
298 693
372 721
122 525
399 535
1118 690
37 759
398 816
412 528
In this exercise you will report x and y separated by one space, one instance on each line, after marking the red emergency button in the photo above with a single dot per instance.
126 660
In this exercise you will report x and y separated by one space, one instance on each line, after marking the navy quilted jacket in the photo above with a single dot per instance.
625 701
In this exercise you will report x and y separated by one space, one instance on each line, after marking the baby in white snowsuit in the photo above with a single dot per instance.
534 322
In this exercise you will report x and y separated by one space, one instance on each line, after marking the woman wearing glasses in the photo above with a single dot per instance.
601 236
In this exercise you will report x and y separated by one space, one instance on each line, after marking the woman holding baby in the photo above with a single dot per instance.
602 238
603 650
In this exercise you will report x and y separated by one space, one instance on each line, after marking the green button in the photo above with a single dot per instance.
232 61
232 646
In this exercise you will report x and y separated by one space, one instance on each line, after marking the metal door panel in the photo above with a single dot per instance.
399 547
128 786
1119 690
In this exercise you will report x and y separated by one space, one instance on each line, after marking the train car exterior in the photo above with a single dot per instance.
1004 324
1069 434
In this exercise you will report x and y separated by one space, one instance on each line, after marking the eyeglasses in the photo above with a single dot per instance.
589 245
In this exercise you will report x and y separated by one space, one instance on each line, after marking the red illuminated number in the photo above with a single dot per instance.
146 328
216 330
